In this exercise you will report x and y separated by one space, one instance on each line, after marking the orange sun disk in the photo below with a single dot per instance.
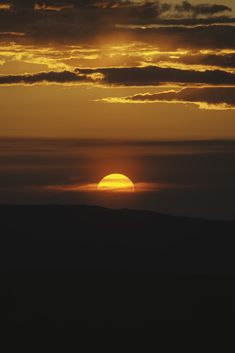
116 183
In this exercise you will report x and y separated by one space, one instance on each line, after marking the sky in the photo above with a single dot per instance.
189 178
119 70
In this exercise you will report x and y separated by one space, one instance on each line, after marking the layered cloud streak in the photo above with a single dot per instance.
221 98
122 43
135 76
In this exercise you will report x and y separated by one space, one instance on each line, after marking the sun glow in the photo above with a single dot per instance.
116 183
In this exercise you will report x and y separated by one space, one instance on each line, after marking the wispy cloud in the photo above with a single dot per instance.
216 98
52 7
93 187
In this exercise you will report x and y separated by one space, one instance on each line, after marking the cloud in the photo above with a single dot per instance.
86 21
139 187
147 8
65 30
126 76
181 22
47 7
206 97
201 9
154 76
217 59
42 77
198 37
5 6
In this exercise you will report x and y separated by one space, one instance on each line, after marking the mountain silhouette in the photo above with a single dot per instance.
86 238
192 263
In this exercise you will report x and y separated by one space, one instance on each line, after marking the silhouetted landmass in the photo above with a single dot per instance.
84 238
192 261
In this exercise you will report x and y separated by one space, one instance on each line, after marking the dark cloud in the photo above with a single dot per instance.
216 59
54 7
82 21
201 9
222 97
220 60
65 30
51 77
152 75
135 76
155 6
193 21
199 37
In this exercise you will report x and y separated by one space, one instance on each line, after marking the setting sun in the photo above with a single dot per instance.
116 183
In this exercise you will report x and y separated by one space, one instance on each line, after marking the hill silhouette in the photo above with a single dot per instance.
192 260
85 238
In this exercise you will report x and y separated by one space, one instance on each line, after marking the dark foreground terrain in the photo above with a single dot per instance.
192 263
82 238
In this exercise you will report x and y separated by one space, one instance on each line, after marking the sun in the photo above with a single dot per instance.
116 183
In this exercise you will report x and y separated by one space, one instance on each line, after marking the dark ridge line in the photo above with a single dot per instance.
117 211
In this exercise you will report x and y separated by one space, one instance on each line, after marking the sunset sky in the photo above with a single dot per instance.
136 85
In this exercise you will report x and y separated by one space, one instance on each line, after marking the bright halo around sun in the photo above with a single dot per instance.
116 183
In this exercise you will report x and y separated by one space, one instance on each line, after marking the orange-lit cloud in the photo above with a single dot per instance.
214 98
5 6
57 8
110 56
139 187
13 34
